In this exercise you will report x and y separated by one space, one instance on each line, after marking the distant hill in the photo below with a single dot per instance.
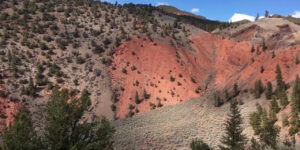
176 11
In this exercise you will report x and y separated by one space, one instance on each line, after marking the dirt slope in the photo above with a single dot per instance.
214 60
174 127
156 62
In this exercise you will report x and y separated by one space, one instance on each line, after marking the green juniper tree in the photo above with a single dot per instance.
64 128
233 139
269 90
20 135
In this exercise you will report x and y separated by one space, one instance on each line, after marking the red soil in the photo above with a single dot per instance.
228 61
156 63
7 111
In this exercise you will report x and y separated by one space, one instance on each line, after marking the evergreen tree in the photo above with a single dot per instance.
268 133
266 14
20 135
283 99
263 125
64 130
295 120
281 88
257 17
274 106
269 90
235 90
296 94
255 119
264 46
233 139
279 79
258 89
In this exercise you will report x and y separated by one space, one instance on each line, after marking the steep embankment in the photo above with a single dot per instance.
165 73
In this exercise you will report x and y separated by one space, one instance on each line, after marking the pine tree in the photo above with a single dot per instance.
266 14
295 120
233 139
274 106
279 79
263 45
258 89
255 119
263 125
235 90
281 88
257 17
296 94
283 99
269 90
269 133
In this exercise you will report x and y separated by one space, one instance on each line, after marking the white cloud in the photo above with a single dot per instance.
161 3
195 10
239 17
296 14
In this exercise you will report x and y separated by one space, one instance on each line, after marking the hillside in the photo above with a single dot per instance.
154 72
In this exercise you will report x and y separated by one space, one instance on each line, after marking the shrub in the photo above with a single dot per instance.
113 107
146 95
218 101
153 106
198 89
130 114
124 71
193 80
133 68
80 60
262 69
172 79
199 145
136 98
131 107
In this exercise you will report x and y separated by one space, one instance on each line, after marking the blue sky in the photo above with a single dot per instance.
223 10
